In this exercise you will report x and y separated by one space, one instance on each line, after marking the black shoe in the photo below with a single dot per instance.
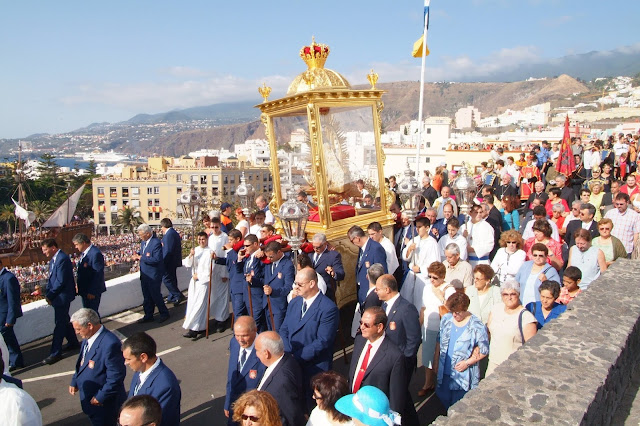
144 320
51 359
180 300
221 327
71 347
199 335
163 319
190 334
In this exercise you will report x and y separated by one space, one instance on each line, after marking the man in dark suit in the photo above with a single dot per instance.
279 275
439 227
328 263
376 361
237 281
369 252
245 369
90 280
403 329
61 290
282 378
10 311
100 370
252 268
587 212
310 327
401 238
429 193
151 272
152 376
172 257
505 187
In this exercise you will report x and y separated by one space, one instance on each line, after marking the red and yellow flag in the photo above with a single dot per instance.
566 164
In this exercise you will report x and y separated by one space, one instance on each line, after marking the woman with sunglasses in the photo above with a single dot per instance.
534 272
432 300
463 343
542 235
510 325
610 245
510 257
328 387
256 408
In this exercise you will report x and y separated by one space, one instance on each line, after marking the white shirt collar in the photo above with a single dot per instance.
268 371
587 225
249 349
390 302
311 299
84 253
143 376
93 338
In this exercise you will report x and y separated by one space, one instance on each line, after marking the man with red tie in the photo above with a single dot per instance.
378 362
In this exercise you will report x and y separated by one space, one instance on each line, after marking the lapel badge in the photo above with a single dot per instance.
367 264
279 275
253 374
392 325
148 254
91 364
85 264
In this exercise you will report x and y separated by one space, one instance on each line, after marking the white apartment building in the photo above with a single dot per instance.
466 116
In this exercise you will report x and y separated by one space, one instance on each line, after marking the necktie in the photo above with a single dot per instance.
137 388
363 369
360 256
315 259
50 266
84 353
384 306
304 308
243 359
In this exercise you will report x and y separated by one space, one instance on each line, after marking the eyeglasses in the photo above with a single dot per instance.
509 294
539 255
254 419
512 242
366 325
247 245
621 204
299 284
317 398
604 228
434 277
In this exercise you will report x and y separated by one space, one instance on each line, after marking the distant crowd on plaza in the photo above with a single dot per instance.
468 289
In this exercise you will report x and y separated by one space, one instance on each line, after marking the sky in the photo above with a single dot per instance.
67 64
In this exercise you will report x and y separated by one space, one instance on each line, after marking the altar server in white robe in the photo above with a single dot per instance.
199 260
421 252
479 235
220 294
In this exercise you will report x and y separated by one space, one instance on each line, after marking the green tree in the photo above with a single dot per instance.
41 209
7 214
128 220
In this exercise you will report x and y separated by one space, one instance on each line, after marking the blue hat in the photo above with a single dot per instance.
225 206
369 405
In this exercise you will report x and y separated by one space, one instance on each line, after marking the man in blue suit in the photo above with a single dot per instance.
328 263
10 310
278 282
403 329
310 327
282 378
237 281
151 272
252 268
369 252
152 376
172 257
100 370
245 369
61 290
90 280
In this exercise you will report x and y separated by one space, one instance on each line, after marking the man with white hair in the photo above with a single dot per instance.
263 205
327 262
100 370
151 271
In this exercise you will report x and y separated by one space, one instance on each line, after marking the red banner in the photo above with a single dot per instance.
566 164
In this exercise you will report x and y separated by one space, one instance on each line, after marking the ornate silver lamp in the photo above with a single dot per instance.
465 189
293 215
245 194
410 193
191 203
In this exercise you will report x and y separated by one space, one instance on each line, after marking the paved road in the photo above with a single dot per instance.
201 367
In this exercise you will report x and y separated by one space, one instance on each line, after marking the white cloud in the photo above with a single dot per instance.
176 93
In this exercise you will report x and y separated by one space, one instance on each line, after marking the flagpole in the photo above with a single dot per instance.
420 107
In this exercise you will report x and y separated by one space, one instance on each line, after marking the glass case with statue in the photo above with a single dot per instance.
325 140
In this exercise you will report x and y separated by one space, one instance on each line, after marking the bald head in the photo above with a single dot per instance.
269 347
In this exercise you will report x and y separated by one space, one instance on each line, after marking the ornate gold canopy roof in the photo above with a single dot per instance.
316 76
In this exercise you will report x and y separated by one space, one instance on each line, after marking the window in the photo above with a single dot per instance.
102 218
125 203
114 206
428 144
149 191
114 217
203 179
135 203
135 191
125 192
156 201
150 216
178 178
150 202
113 192
203 191
215 178
100 192
156 189
179 190
225 180
194 179
427 160
233 179
428 130
214 191
157 215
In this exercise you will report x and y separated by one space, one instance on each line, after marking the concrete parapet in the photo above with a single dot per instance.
575 370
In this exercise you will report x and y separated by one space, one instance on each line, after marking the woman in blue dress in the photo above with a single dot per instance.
463 343
547 308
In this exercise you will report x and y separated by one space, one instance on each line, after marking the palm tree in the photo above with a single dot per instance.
128 220
7 214
41 209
